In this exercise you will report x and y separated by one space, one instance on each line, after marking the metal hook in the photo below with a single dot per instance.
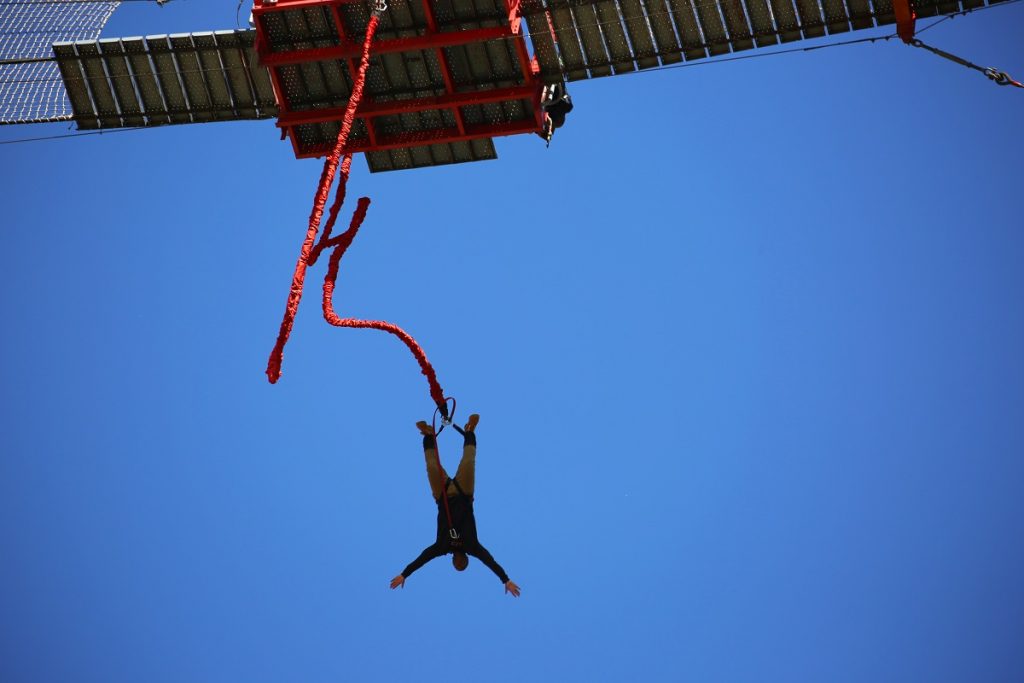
447 416
380 6
1000 77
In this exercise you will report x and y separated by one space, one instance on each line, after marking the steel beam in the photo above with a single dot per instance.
427 137
350 49
447 101
263 6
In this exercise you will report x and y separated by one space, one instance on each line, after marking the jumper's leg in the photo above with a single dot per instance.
466 474
434 475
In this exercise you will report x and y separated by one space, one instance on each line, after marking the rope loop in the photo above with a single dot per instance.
447 416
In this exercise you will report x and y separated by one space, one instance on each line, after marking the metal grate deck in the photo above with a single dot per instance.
598 38
159 80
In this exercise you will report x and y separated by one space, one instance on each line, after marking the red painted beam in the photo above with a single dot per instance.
530 69
428 137
350 49
446 101
442 60
905 20
514 15
261 6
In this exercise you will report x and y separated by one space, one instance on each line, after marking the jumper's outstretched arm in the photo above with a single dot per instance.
429 553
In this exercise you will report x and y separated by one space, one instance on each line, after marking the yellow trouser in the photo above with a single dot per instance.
465 475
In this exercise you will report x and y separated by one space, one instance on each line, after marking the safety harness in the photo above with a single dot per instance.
447 419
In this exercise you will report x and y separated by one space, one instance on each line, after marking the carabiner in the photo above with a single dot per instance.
1000 77
447 416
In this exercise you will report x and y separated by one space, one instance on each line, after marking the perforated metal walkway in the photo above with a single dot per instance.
158 80
598 38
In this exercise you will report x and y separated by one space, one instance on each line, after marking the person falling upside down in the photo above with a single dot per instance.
459 538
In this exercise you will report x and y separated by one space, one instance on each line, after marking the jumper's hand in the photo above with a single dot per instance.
511 587
473 419
425 429
400 581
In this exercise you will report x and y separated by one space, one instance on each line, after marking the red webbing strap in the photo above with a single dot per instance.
311 252
443 484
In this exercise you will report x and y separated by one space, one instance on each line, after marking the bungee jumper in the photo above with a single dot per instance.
456 524
556 103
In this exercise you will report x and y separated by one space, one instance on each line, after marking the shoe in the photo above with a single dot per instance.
425 429
471 425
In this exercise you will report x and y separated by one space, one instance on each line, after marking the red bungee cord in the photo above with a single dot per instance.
311 252
443 479
342 243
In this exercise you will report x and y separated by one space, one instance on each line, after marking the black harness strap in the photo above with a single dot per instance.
454 539
457 487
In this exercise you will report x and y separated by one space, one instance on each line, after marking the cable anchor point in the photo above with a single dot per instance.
1000 77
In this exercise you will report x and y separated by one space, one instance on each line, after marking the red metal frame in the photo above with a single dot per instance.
353 48
368 110
430 137
348 51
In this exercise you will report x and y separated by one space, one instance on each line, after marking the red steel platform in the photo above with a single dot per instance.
445 77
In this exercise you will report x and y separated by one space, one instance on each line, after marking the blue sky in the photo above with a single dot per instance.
745 342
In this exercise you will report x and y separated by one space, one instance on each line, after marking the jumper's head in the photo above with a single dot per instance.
460 561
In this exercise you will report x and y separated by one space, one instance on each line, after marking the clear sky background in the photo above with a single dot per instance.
746 342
